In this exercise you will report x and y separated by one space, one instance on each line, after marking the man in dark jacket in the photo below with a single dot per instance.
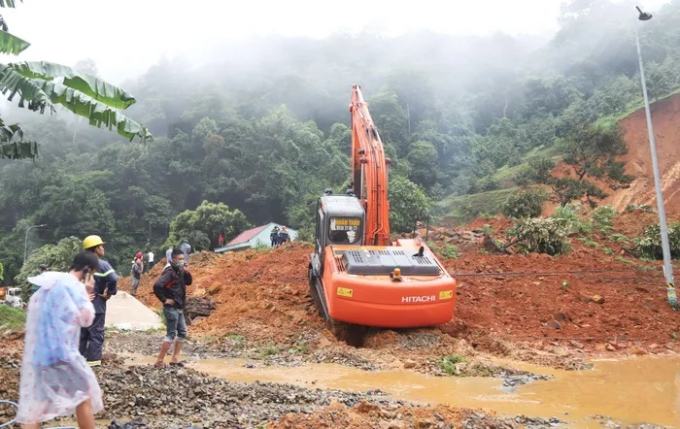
105 286
171 290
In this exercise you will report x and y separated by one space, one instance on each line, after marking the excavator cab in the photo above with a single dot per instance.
339 221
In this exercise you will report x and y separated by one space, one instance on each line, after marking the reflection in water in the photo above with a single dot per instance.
632 390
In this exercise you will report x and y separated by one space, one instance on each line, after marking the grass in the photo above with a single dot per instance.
465 208
13 319
448 363
269 351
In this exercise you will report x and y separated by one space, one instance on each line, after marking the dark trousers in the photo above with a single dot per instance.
92 340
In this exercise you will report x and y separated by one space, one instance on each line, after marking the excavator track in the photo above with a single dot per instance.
353 335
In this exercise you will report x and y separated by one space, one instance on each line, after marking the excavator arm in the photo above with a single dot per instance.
369 172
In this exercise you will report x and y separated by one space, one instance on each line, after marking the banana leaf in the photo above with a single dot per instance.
96 112
19 150
92 86
8 3
12 83
11 44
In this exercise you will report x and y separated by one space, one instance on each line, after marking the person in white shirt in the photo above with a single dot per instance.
149 261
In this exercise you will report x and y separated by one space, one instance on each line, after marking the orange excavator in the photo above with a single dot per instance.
358 278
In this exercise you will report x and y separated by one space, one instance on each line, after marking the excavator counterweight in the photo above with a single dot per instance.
358 277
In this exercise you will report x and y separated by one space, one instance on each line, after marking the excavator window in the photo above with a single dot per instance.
344 230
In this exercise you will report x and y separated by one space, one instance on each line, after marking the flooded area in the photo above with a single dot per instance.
628 391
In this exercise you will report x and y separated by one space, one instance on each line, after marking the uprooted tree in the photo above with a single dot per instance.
42 85
591 160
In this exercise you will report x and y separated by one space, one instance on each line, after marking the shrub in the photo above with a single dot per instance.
448 363
447 251
525 204
572 222
645 208
648 245
603 218
542 235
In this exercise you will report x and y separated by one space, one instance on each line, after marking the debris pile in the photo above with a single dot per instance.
198 308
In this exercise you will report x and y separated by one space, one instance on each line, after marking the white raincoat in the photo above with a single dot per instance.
55 378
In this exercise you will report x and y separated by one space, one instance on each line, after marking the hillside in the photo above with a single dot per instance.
666 124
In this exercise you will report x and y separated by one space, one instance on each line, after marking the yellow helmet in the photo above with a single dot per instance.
92 241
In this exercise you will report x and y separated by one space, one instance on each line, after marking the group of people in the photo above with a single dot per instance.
65 333
279 236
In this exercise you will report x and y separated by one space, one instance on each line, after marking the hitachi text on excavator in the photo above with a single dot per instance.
358 277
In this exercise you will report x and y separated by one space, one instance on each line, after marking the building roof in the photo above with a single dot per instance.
246 235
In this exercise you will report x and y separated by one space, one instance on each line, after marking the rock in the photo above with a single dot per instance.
554 324
561 317
597 299
409 364
610 347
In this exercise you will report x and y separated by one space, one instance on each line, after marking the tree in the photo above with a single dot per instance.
590 158
208 220
408 204
56 256
42 85
423 158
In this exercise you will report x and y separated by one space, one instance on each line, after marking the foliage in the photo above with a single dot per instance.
448 363
56 256
11 318
603 218
268 137
648 244
203 226
645 208
2 272
408 204
572 221
447 251
540 235
306 234
41 85
524 204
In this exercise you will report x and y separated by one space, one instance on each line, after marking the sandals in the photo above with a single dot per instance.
159 365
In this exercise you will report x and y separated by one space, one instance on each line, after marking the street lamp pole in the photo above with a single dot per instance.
665 247
26 238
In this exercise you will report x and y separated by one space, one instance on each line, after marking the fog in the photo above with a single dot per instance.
125 37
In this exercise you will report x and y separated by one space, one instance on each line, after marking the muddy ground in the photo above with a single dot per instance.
553 311
141 396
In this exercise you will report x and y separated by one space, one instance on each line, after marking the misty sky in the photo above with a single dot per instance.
125 37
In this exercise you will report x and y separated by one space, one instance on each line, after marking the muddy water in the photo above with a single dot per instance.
631 390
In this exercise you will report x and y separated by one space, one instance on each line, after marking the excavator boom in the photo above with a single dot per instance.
369 168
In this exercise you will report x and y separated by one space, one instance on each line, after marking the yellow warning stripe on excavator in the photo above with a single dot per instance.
346 292
446 294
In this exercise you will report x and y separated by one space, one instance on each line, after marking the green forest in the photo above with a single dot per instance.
259 133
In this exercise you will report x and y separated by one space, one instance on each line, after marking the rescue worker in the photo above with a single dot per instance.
105 285
274 236
283 236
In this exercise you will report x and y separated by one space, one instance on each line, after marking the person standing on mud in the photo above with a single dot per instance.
136 274
149 261
171 290
274 236
55 379
92 337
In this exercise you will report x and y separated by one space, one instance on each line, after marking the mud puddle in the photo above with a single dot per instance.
625 391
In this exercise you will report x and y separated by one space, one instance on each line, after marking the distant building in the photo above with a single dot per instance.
255 237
